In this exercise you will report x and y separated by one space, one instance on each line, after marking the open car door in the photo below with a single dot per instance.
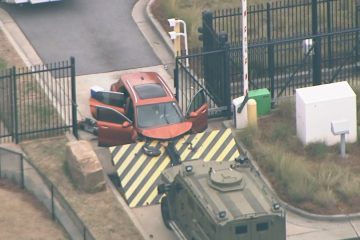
114 128
114 100
197 112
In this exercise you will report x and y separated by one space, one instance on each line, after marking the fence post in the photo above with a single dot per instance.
329 30
176 79
225 74
208 45
14 130
22 184
52 203
84 233
357 32
208 31
73 98
271 55
317 45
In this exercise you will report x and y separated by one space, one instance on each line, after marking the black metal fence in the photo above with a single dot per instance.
17 168
278 58
287 19
37 101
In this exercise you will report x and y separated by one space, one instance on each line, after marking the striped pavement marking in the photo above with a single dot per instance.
140 174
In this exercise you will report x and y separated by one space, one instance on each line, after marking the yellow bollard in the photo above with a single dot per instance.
177 41
252 113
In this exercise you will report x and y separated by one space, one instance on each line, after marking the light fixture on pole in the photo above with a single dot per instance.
172 22
174 34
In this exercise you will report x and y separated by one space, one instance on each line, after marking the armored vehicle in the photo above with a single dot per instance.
220 200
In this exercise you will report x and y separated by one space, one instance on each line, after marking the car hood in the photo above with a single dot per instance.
168 131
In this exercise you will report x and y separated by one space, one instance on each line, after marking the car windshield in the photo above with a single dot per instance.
154 115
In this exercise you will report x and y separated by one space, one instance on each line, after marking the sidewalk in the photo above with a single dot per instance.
298 227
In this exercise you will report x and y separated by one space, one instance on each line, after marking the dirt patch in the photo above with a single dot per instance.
101 212
22 216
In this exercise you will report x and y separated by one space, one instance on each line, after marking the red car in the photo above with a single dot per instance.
142 105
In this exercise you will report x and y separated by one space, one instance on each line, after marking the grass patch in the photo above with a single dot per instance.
314 177
3 64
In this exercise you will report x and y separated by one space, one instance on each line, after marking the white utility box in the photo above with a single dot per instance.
319 107
240 119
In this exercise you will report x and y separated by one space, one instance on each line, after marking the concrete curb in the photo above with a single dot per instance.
154 34
18 40
156 25
300 212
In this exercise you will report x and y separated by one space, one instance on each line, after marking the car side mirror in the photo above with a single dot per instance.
126 124
193 115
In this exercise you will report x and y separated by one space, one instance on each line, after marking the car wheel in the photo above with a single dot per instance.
165 212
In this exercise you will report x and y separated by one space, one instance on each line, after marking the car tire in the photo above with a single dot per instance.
165 212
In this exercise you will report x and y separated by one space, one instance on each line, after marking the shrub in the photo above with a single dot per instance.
290 171
295 176
286 110
325 198
246 136
281 132
316 150
329 175
349 187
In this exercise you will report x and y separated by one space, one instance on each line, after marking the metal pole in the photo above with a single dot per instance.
52 202
357 33
271 55
186 41
329 28
22 184
176 79
227 81
15 106
73 99
245 47
207 26
317 46
342 146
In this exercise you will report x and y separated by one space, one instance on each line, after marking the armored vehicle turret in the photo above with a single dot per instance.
220 200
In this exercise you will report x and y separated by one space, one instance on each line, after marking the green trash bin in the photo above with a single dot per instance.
263 100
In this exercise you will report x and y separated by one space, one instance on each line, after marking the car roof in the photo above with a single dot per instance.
147 88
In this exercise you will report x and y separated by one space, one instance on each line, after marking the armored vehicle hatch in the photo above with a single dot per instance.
220 200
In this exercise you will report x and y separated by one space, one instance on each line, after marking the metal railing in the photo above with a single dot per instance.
280 66
287 19
15 167
37 101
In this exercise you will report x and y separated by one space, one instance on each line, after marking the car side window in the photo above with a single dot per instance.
110 115
198 100
111 98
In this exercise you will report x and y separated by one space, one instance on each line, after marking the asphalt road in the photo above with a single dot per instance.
101 35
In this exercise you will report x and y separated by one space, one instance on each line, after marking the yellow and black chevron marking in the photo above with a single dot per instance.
139 174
